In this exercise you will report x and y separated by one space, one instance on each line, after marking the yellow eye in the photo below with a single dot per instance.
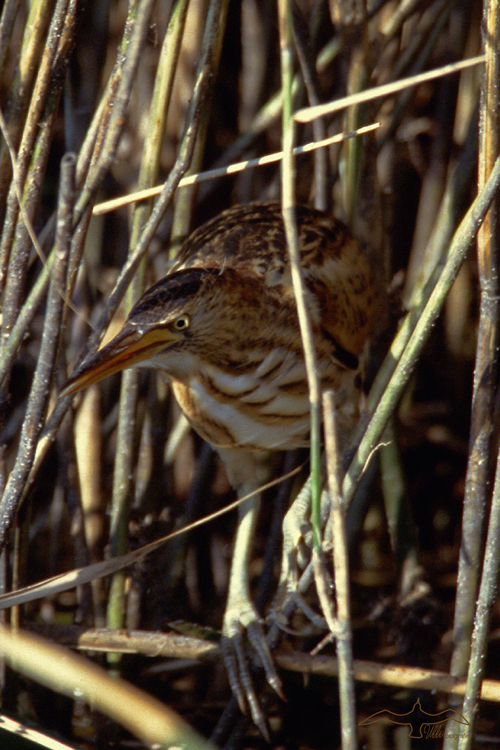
181 323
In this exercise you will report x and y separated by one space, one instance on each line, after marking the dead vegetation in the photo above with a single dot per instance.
148 94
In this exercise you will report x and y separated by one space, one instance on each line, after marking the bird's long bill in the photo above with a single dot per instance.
131 346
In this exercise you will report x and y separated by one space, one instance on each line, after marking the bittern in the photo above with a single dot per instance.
222 325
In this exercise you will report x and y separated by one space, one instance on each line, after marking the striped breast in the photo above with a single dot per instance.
256 412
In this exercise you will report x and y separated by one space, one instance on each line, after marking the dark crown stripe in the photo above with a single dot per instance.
180 285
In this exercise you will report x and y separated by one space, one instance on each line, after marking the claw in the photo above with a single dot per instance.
240 681
258 641
249 690
237 661
231 664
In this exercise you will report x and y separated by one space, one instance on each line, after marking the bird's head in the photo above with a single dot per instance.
166 323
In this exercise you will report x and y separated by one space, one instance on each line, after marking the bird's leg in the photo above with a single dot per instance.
241 616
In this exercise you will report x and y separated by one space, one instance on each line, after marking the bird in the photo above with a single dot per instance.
223 327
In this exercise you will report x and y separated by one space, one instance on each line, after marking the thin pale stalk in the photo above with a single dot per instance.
7 20
185 197
478 479
343 635
212 174
288 201
32 44
307 114
114 113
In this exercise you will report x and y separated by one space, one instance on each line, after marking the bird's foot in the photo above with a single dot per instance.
242 628
295 553
296 558
289 598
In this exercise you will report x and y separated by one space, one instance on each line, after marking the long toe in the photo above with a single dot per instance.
243 643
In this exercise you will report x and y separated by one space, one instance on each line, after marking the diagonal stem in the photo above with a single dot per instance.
419 321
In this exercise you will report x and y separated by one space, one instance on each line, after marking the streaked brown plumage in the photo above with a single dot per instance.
223 326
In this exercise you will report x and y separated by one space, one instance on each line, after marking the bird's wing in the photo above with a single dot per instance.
337 273
342 293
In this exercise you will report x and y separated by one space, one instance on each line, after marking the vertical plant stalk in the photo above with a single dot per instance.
185 196
9 12
99 151
39 394
30 53
478 480
343 632
311 83
167 66
288 203
120 503
486 600
352 149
